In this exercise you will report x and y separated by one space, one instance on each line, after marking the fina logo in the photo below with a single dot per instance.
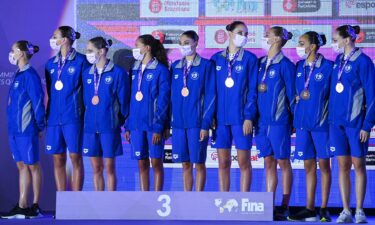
85 150
52 71
176 76
149 77
319 77
218 68
348 68
195 76
71 70
272 73
232 206
239 68
16 84
89 81
108 80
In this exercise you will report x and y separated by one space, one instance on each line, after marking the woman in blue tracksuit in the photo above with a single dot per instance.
25 115
65 108
276 100
193 97
351 116
106 93
236 72
311 121
149 109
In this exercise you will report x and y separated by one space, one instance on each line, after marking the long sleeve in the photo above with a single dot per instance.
289 76
367 76
209 96
36 94
123 93
250 110
163 101
48 87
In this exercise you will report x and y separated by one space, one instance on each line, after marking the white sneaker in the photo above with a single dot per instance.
360 216
345 217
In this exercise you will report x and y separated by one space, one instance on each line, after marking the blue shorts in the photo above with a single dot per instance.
225 134
107 145
273 140
186 146
25 148
345 141
62 138
312 144
142 147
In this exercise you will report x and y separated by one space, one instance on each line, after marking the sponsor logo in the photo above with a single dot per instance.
48 147
175 156
155 6
137 153
332 149
299 74
300 154
221 36
85 150
360 4
301 6
133 77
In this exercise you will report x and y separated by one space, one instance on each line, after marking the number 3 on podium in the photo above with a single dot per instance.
166 207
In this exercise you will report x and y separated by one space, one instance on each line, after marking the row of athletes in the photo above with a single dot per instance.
330 104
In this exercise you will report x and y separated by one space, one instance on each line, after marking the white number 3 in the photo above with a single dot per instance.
166 205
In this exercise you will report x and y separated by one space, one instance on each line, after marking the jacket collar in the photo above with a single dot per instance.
278 58
318 62
108 68
354 57
196 62
24 68
152 66
71 57
240 55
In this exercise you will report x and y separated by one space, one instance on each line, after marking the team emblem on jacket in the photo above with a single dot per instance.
218 68
176 76
133 77
89 81
272 74
348 68
149 77
319 76
71 70
238 68
108 80
52 71
194 76
16 84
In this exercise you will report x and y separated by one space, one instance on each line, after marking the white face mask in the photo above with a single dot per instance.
265 44
239 40
53 44
12 59
336 48
137 54
91 57
186 50
301 52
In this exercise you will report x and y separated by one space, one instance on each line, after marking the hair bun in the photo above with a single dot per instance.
290 35
227 27
324 39
357 29
78 35
35 49
109 42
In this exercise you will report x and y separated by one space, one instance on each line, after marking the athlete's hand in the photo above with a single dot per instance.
247 127
364 136
127 136
167 134
203 135
156 138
